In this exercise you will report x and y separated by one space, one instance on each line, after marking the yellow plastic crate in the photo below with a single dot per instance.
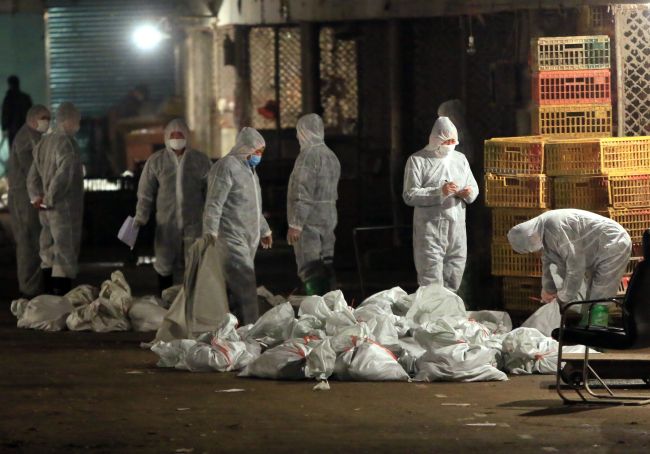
585 193
517 191
573 121
503 219
634 261
506 262
519 293
635 221
605 156
569 53
514 155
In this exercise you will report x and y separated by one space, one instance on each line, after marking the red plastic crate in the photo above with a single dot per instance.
572 87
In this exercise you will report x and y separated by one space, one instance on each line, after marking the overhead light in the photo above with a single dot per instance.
147 37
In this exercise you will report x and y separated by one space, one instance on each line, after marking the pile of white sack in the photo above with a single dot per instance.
391 336
87 308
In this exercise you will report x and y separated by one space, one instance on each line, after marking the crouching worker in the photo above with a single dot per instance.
586 248
233 217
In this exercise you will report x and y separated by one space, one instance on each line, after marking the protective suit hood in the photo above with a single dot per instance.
66 111
443 130
310 130
177 125
36 111
248 141
527 236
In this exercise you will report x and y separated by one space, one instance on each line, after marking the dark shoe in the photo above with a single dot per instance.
164 282
61 285
47 281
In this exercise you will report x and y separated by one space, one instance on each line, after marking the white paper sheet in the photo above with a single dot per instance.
128 233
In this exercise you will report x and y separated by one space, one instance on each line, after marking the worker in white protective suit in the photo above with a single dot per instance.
585 248
176 179
233 215
24 217
55 184
439 184
311 205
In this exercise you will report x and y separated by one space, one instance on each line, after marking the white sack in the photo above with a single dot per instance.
435 301
45 312
545 319
320 361
315 306
273 326
100 316
146 314
284 362
369 361
385 299
460 362
451 330
338 321
336 301
82 295
496 321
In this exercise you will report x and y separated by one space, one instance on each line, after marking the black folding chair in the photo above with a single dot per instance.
634 334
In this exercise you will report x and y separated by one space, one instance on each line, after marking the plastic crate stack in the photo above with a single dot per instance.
517 190
572 87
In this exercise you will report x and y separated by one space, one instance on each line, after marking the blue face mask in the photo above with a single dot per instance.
254 161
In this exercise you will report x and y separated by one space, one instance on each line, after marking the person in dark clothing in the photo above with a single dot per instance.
14 109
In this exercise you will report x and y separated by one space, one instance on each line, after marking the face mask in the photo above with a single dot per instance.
254 160
42 125
444 150
177 144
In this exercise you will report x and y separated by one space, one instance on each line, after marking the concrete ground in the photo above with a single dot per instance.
74 392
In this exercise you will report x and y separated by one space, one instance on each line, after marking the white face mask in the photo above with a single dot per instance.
42 125
177 144
444 150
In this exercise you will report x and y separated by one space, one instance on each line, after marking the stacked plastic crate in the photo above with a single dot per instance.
590 169
517 190
572 95
572 87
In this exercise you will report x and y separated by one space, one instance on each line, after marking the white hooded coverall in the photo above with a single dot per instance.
233 213
178 185
57 175
312 195
25 221
439 236
584 246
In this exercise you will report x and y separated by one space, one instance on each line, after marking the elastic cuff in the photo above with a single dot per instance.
295 227
265 235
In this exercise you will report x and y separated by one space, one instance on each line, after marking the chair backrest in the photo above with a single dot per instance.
636 306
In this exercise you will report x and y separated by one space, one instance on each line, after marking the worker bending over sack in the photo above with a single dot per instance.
586 249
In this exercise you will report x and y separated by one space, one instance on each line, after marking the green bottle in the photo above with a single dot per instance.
599 316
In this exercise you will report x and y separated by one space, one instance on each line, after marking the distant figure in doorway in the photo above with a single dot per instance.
14 109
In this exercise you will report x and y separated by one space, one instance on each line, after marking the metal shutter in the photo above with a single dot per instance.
91 60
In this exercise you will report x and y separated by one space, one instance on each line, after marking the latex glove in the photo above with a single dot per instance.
449 188
210 238
464 193
267 242
548 297
37 202
293 235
